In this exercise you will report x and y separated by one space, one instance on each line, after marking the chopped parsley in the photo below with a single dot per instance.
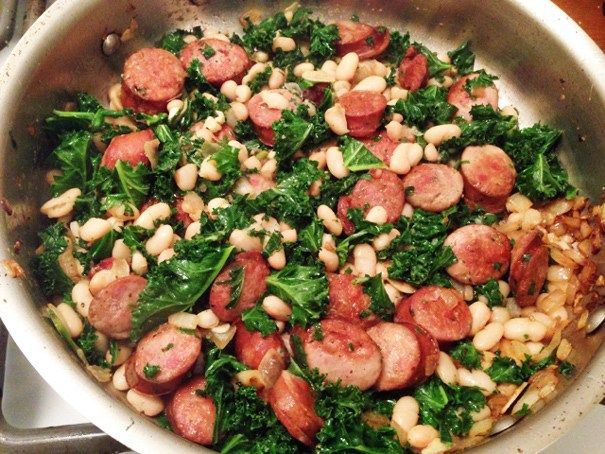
151 370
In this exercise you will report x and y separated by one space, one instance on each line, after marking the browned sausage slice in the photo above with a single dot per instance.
253 285
191 413
363 111
489 177
414 70
172 351
343 351
363 39
381 146
401 355
482 254
293 402
430 353
262 116
251 347
464 101
384 188
528 268
151 78
347 301
129 148
110 310
433 187
440 311
228 62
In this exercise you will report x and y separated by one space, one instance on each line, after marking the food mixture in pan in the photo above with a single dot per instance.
317 237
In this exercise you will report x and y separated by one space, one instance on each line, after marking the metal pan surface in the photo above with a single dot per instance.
548 67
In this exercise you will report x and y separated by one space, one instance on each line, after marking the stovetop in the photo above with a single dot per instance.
35 419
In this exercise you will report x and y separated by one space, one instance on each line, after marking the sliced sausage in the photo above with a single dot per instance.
181 215
251 347
381 146
440 311
464 101
489 177
316 93
401 355
384 189
482 254
129 148
528 268
228 62
110 310
253 285
363 111
344 352
413 71
363 39
172 350
347 301
293 402
430 353
262 116
105 264
191 413
433 187
151 78
226 132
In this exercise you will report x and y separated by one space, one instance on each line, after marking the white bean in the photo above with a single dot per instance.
183 320
100 280
408 210
336 120
500 314
319 76
504 288
239 110
145 403
277 308
430 153
364 259
186 177
319 157
534 347
277 79
558 273
488 337
383 241
414 153
243 93
260 56
139 263
94 229
161 240
524 329
81 296
252 163
61 205
377 215
484 413
215 204
405 413
329 66
480 313
371 83
399 93
440 133
156 212
245 242
166 254
421 435
208 170
284 43
446 369
347 66
335 163
400 163
120 250
207 319
394 130
301 68
119 379
193 229
275 100
228 89
124 352
71 320
329 259
509 111
476 378
341 87
289 236
277 260
329 219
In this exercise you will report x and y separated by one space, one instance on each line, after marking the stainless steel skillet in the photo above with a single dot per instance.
548 68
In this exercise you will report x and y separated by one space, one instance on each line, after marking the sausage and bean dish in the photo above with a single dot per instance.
315 237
